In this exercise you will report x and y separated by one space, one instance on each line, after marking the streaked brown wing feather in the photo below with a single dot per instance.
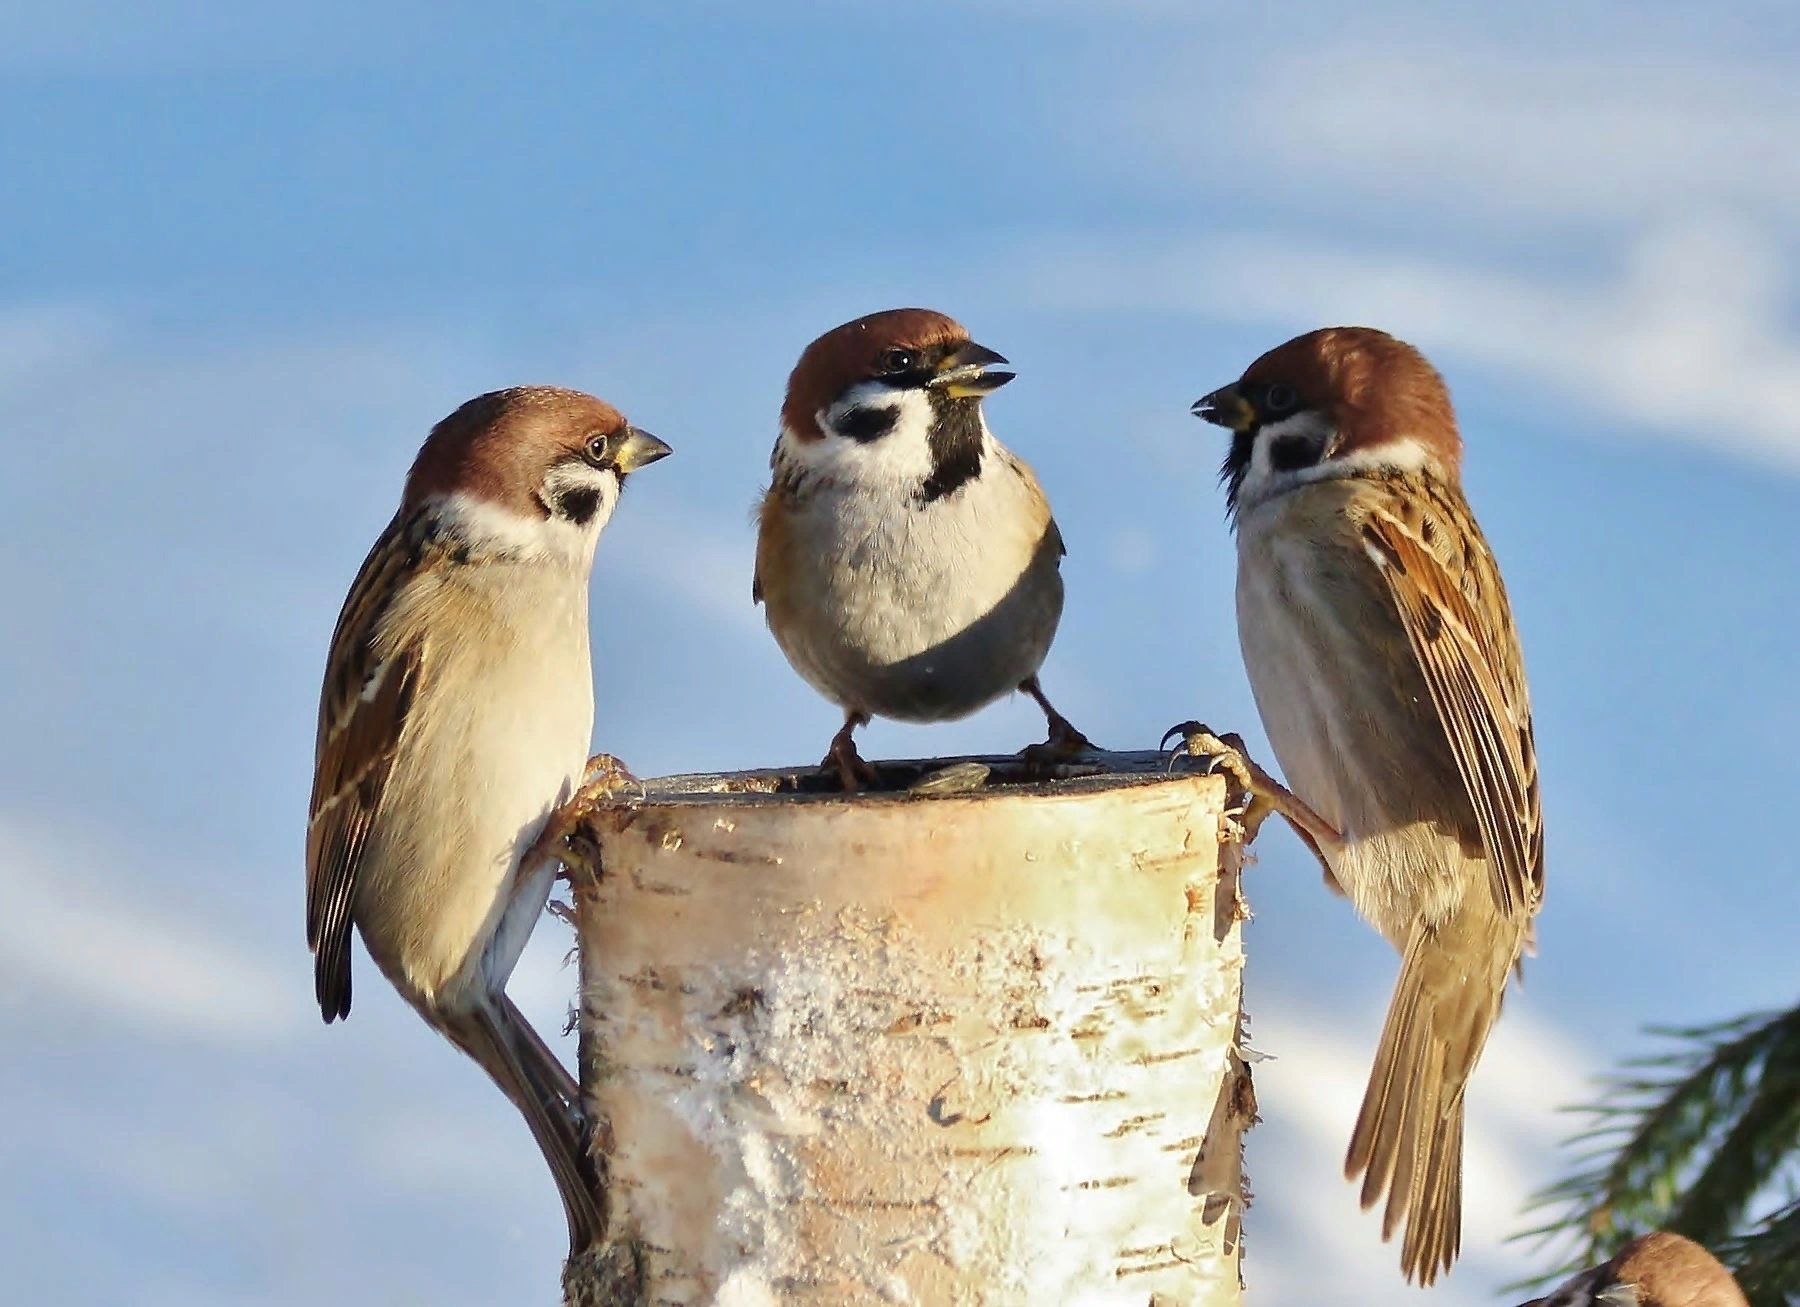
771 532
362 711
1452 603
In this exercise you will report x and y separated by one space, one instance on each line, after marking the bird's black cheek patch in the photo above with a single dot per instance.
864 425
579 505
1291 453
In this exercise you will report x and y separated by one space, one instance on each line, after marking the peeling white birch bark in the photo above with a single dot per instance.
971 1049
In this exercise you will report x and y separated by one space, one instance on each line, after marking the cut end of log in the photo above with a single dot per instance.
965 1046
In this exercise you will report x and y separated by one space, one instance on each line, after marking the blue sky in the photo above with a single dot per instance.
252 253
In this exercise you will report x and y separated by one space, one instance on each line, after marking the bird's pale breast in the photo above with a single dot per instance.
920 612
496 740
1346 708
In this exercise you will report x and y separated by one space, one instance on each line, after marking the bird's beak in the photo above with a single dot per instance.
1226 407
962 374
639 449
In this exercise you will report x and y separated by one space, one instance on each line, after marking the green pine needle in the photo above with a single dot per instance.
1694 1141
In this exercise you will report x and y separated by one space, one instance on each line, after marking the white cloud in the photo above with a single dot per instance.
1389 162
1131 550
73 936
1495 133
447 1148
38 341
1308 1096
697 562
1689 338
1558 138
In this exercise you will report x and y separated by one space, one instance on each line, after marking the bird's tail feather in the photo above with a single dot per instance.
1408 1137
538 1054
498 1037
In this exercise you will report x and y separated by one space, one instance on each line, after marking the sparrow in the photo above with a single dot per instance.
453 726
1388 676
906 560
1654 1270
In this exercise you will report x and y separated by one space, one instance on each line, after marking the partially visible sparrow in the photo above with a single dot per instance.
1654 1270
455 719
906 559
1381 650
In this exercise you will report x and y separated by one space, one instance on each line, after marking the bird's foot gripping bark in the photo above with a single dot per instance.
1259 793
852 772
603 780
1225 753
603 777
1063 742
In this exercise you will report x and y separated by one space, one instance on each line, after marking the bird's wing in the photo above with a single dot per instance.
1024 471
369 689
1452 604
768 524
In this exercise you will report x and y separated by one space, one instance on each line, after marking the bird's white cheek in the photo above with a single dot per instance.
1266 478
488 528
895 450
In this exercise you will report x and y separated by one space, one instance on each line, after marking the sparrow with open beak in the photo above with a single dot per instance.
1654 1270
1387 673
453 726
906 560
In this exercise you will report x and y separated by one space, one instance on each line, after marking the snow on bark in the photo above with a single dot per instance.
979 1048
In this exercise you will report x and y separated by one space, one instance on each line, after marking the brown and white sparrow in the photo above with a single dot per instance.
1653 1270
1388 676
906 560
454 722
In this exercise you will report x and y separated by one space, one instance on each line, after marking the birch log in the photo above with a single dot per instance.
974 1048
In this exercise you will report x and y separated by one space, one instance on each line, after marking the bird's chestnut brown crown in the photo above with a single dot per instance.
502 447
1369 389
900 348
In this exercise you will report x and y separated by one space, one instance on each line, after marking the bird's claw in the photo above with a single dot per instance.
1226 753
1064 739
853 773
602 780
605 774
1063 744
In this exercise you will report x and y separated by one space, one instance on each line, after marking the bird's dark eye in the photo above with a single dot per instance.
599 449
1280 397
897 360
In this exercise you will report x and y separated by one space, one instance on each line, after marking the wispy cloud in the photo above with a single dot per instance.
1308 1096
1498 135
77 940
707 569
1661 184
1687 337
1607 231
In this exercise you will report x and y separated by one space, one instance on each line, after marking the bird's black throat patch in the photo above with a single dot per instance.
577 505
955 445
1237 465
